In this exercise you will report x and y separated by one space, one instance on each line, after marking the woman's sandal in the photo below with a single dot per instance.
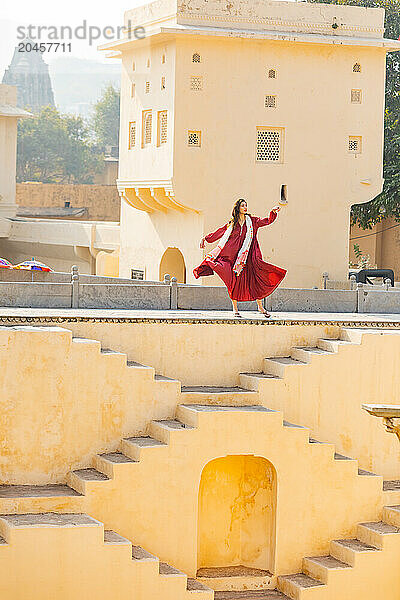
265 313
237 314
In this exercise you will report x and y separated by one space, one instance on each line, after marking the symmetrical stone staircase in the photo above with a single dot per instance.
171 446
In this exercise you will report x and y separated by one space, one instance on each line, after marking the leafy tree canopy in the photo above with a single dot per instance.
106 117
56 148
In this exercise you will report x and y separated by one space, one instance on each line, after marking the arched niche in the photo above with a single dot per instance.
173 264
237 513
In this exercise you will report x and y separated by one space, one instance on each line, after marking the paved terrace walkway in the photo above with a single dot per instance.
52 315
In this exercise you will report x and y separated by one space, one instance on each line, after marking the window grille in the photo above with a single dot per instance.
147 87
270 102
196 57
194 138
147 122
162 127
269 145
356 96
133 65
163 83
272 74
148 63
132 134
355 144
196 83
357 68
137 274
163 59
132 90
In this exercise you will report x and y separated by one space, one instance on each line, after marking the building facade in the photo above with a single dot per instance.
255 101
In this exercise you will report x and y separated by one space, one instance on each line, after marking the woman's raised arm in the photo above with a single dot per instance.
267 220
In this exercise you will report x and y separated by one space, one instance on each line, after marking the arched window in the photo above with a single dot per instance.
272 74
357 68
196 57
173 264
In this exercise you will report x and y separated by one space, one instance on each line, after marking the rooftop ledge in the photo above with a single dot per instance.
161 33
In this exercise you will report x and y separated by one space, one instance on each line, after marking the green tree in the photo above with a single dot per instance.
56 148
106 117
387 203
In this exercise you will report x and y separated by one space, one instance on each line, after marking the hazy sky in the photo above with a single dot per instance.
70 13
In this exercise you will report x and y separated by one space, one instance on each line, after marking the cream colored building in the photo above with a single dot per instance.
221 101
9 115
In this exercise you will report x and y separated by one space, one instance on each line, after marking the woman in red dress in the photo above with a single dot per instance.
238 261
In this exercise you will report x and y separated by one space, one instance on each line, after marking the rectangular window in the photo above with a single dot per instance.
147 87
356 96
163 83
137 274
355 144
269 144
196 83
194 138
270 102
147 124
132 90
161 127
132 134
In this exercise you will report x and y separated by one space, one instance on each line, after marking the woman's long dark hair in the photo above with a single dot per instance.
236 212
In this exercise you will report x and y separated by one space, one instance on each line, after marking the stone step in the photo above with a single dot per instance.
139 553
163 429
253 381
391 515
190 413
166 569
293 585
79 479
113 538
134 446
353 334
37 491
236 578
350 550
218 395
12 526
331 345
306 354
377 533
322 567
110 462
251 595
277 365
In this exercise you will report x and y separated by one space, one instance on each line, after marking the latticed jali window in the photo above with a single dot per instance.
356 96
269 144
132 134
147 122
147 87
132 90
163 83
162 127
355 144
196 83
272 74
194 138
270 102
196 57
357 68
